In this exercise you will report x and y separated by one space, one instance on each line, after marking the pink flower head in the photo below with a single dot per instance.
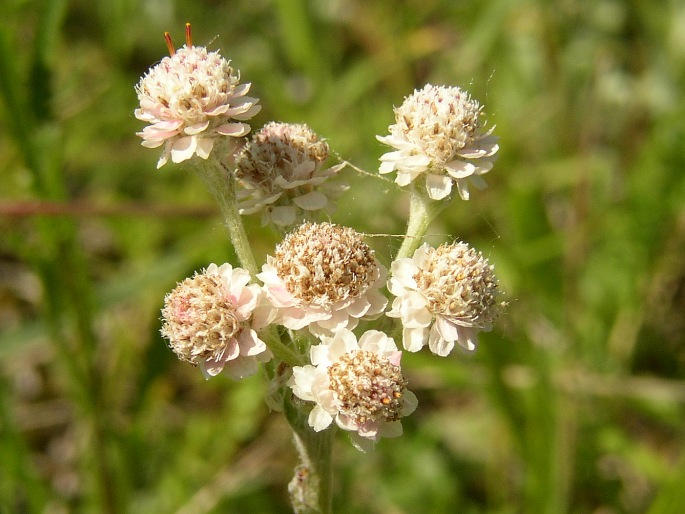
210 321
359 384
190 99
281 170
444 295
323 277
437 135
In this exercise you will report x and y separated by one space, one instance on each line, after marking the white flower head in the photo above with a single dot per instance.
444 295
190 99
359 384
282 172
209 320
323 277
438 134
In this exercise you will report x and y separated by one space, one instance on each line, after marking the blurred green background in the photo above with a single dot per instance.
574 403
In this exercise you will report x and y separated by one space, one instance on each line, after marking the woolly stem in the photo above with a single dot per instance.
311 486
422 211
221 183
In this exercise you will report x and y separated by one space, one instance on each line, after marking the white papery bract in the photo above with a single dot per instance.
191 99
359 384
443 295
325 278
209 320
437 135
282 174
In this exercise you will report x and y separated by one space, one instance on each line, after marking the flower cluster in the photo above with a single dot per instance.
325 279
322 280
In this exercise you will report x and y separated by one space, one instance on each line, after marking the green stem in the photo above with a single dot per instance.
422 211
221 183
310 489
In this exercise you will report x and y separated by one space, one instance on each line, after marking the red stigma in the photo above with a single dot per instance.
169 43
189 36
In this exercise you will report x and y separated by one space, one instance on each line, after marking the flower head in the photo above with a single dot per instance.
437 133
357 384
323 277
190 99
444 295
209 320
281 170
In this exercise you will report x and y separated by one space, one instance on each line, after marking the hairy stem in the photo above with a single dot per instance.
311 486
422 211
221 183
